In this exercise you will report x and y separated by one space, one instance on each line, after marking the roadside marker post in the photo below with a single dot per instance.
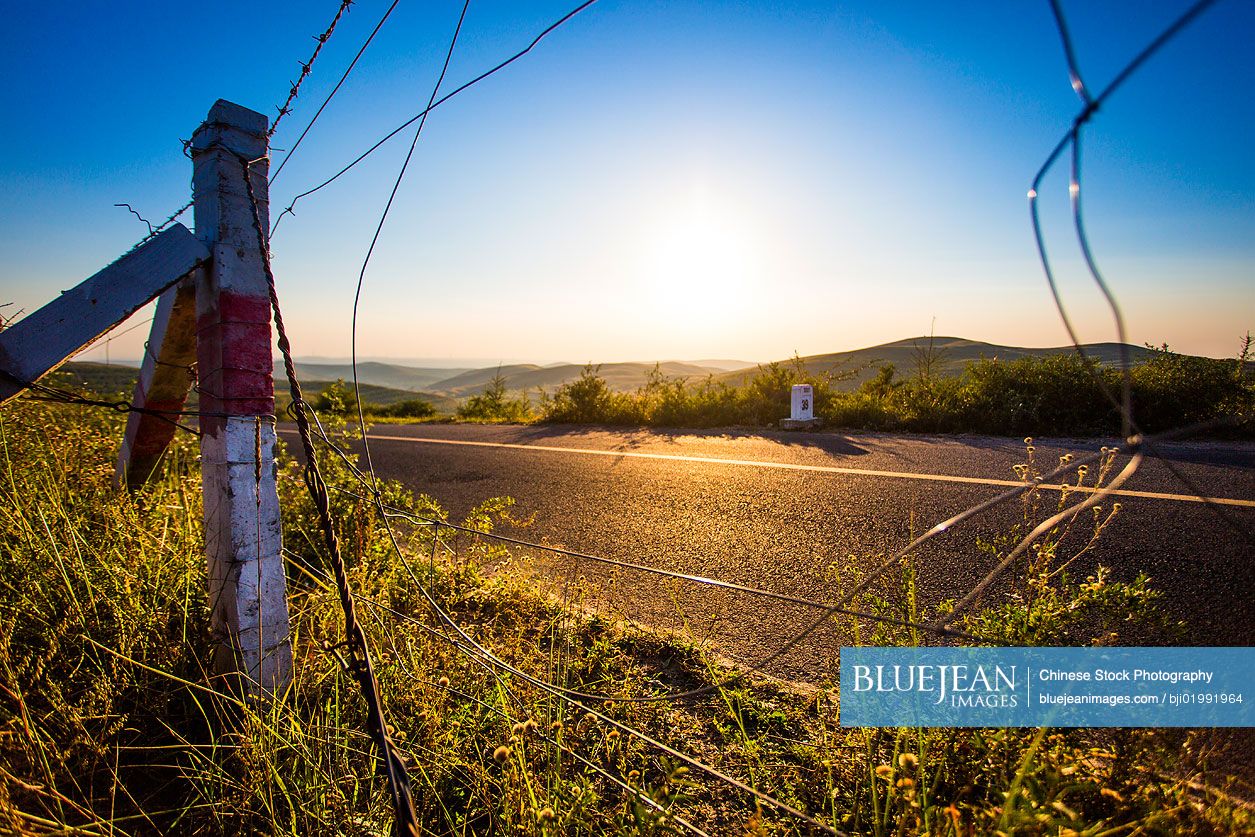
803 402
801 409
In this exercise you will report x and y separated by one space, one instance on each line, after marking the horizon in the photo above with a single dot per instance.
664 180
455 364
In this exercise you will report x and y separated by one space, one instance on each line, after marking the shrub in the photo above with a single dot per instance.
494 405
589 400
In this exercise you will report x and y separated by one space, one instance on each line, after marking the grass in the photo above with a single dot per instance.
108 724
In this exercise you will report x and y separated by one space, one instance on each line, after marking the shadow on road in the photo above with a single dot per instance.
638 437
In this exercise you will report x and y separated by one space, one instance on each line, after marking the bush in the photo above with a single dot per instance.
589 400
494 405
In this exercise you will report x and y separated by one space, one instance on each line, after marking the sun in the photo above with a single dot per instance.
699 261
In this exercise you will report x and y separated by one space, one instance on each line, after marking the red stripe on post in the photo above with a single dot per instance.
238 334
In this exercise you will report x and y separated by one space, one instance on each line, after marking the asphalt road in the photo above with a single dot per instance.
803 513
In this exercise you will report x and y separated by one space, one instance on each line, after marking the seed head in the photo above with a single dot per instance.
907 761
546 814
501 753
443 682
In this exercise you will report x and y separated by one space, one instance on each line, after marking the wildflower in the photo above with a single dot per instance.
546 814
633 775
529 725
884 771
614 733
501 753
443 682
514 739
555 726
517 728
904 782
907 761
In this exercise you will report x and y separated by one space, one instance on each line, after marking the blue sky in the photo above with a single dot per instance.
660 180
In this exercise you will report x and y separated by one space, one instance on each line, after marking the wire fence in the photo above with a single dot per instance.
443 625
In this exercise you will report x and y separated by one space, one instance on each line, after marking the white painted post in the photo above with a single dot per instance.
243 539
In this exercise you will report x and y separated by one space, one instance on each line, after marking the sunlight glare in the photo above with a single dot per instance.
699 263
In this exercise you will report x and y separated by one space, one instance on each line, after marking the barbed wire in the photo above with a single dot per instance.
307 67
290 209
154 231
144 220
1071 141
334 91
40 391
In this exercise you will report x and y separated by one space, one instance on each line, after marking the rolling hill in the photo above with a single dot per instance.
391 375
950 356
619 376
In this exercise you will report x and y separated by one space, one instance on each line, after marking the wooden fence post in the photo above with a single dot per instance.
247 588
165 378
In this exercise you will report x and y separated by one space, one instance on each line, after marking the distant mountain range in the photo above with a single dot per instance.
388 383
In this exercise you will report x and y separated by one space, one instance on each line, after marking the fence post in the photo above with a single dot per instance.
164 382
243 538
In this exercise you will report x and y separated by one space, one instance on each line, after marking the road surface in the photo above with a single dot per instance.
802 513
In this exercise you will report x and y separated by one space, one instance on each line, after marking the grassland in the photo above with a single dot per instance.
110 725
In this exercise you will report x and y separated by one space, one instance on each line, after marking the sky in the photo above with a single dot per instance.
658 180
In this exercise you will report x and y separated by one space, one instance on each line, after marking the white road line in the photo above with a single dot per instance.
787 466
